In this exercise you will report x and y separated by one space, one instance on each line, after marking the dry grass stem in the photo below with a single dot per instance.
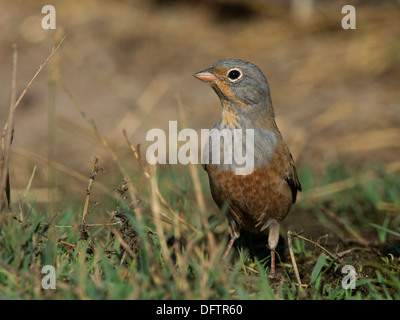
28 187
58 166
343 253
8 128
51 127
198 190
8 132
332 255
37 73
136 154
155 207
106 145
64 243
193 168
92 225
160 196
290 245
95 170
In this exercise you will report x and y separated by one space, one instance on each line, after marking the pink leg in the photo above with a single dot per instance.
273 238
228 247
272 273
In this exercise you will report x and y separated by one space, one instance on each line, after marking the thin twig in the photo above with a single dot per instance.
67 244
342 253
290 245
37 73
8 129
332 255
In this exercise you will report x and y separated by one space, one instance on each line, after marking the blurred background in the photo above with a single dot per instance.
129 65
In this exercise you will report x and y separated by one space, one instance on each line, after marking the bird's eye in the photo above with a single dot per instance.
234 74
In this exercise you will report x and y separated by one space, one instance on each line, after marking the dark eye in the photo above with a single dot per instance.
234 74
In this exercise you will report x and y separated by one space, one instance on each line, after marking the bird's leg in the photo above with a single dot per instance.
228 247
272 272
273 238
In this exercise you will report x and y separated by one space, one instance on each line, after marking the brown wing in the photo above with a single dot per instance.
292 178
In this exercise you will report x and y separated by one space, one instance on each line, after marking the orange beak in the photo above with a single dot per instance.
206 75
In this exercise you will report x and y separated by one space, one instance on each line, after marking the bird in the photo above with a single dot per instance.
258 200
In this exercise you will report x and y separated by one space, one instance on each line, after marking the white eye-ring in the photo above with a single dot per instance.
234 74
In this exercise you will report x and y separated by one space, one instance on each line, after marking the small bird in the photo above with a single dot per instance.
260 199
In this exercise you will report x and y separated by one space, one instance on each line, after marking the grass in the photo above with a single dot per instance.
123 258
157 235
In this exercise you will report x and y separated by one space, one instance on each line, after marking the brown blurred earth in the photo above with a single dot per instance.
130 63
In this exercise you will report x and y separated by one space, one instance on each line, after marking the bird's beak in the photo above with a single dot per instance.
206 75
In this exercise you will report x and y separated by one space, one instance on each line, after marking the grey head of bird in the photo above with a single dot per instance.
240 85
